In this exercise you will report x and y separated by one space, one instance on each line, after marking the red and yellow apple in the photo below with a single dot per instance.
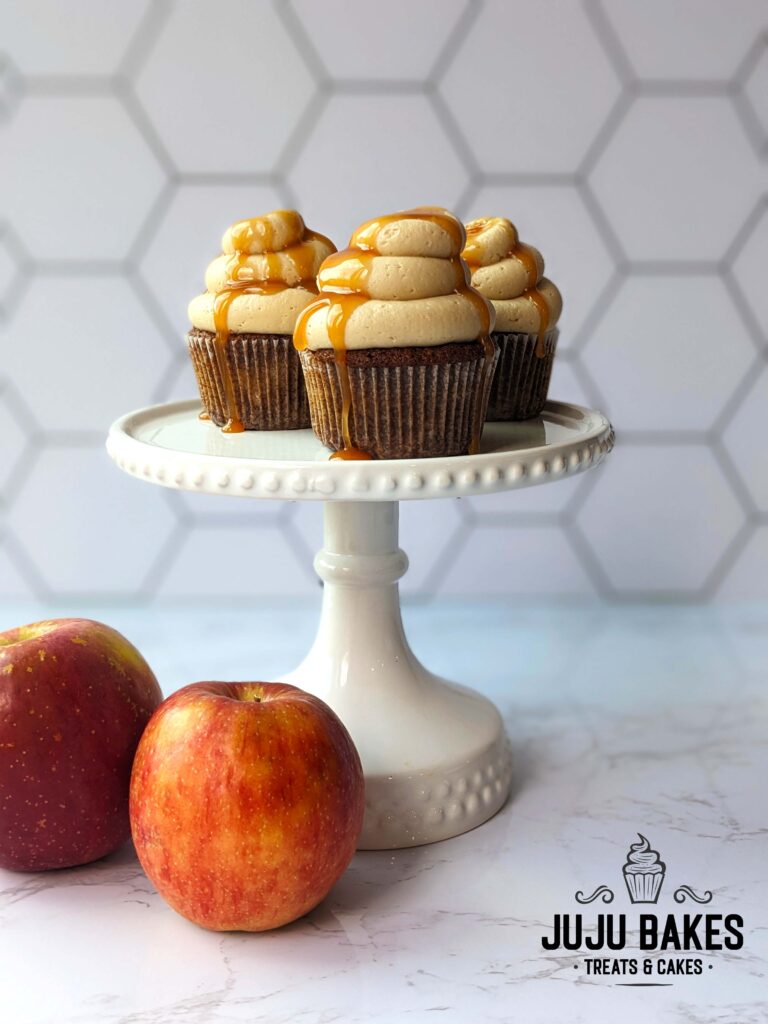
75 697
246 803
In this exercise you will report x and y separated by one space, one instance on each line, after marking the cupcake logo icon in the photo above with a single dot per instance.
643 872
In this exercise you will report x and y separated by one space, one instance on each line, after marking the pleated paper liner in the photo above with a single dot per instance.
266 375
521 380
407 403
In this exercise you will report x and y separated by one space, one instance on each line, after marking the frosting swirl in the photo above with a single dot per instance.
511 275
642 858
264 276
403 282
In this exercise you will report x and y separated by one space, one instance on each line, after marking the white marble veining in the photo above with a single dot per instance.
649 719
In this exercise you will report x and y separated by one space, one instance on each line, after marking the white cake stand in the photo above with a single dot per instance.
436 759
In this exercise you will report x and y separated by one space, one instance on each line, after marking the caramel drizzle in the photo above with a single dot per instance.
241 280
341 295
524 254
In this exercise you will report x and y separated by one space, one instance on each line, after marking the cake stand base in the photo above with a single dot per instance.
436 760
435 756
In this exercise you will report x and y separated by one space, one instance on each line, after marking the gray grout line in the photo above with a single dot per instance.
144 38
453 133
602 224
737 397
609 40
745 232
145 127
151 223
738 486
728 559
299 137
605 134
302 41
454 41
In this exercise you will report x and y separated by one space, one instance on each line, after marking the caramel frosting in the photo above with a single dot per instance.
262 281
264 277
402 283
510 274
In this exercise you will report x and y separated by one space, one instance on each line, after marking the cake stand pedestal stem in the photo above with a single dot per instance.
435 756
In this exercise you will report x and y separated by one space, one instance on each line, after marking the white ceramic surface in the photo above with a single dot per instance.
169 445
436 759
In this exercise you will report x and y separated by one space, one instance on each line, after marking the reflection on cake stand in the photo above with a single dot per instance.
436 758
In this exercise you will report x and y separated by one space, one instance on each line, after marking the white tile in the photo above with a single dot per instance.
12 582
504 560
566 385
744 437
659 518
749 268
531 86
668 352
180 384
668 193
102 354
429 532
14 445
81 176
88 37
756 90
368 155
188 237
88 528
224 92
389 41
528 502
747 579
555 220
229 562
222 509
687 39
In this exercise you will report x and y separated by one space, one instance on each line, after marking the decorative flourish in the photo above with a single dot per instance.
602 891
685 890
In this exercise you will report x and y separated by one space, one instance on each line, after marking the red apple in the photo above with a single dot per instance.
75 696
246 803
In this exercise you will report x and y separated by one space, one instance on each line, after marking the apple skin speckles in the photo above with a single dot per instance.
75 697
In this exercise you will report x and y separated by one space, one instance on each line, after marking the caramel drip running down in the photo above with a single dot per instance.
345 291
489 350
524 254
241 279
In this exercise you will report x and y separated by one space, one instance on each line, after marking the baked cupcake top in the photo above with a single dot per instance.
401 282
511 275
263 278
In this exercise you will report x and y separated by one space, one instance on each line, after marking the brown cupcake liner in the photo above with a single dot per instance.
521 379
407 403
267 381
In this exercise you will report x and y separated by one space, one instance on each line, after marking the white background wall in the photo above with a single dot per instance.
627 140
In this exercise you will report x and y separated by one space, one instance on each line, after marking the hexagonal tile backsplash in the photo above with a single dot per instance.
629 141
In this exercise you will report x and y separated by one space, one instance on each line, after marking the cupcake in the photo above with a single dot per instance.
241 346
528 306
396 348
643 872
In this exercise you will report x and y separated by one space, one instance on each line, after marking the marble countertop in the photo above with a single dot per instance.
648 720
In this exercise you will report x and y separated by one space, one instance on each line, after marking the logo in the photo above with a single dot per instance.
644 874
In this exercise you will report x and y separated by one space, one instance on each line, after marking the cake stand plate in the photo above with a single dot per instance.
436 759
